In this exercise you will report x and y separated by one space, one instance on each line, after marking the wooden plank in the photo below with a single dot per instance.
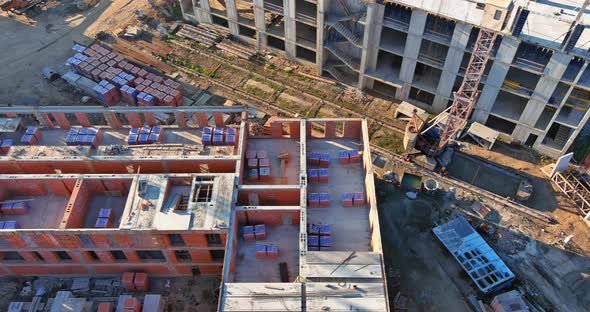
344 289
238 304
140 57
263 289
344 271
364 304
337 257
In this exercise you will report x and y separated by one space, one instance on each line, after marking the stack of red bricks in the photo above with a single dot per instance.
102 64
135 281
356 199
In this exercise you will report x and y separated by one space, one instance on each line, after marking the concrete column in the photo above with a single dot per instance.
62 120
83 119
232 17
415 32
495 79
218 117
180 119
258 7
371 41
134 120
203 13
150 119
290 32
451 67
44 120
580 125
202 120
543 91
112 120
319 54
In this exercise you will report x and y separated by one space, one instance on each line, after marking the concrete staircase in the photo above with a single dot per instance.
344 6
562 135
348 34
347 59
333 69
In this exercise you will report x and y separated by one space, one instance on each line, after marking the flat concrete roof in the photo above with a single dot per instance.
151 204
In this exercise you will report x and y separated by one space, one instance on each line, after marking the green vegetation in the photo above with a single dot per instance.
390 142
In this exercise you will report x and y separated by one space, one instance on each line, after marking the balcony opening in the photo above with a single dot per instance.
500 124
276 43
305 54
247 32
219 21
421 96
306 35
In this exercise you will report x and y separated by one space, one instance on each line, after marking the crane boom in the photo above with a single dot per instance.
466 96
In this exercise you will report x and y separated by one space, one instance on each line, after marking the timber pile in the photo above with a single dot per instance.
133 54
235 49
205 34
156 46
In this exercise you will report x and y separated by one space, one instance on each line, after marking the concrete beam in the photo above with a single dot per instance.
203 12
320 58
543 91
451 67
290 28
495 79
411 50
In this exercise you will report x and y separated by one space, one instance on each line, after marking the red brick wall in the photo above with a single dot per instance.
271 197
273 217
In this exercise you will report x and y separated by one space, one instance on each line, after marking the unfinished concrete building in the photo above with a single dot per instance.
286 213
537 85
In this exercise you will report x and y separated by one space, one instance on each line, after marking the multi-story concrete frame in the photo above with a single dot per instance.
537 86
178 207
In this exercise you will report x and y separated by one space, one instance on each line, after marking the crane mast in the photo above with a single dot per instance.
466 97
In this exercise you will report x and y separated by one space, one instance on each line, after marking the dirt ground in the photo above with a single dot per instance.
555 276
45 40
180 294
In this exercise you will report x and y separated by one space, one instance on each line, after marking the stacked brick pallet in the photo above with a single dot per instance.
132 281
266 251
319 237
254 232
14 208
104 219
119 79
349 157
145 135
32 136
218 136
84 136
356 199
5 145
8 225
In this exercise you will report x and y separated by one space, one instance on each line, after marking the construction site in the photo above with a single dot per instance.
294 155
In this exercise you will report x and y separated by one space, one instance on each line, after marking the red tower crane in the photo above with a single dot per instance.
466 96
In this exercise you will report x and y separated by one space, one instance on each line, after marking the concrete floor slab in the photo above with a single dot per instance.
350 226
251 269
274 147
172 135
45 212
